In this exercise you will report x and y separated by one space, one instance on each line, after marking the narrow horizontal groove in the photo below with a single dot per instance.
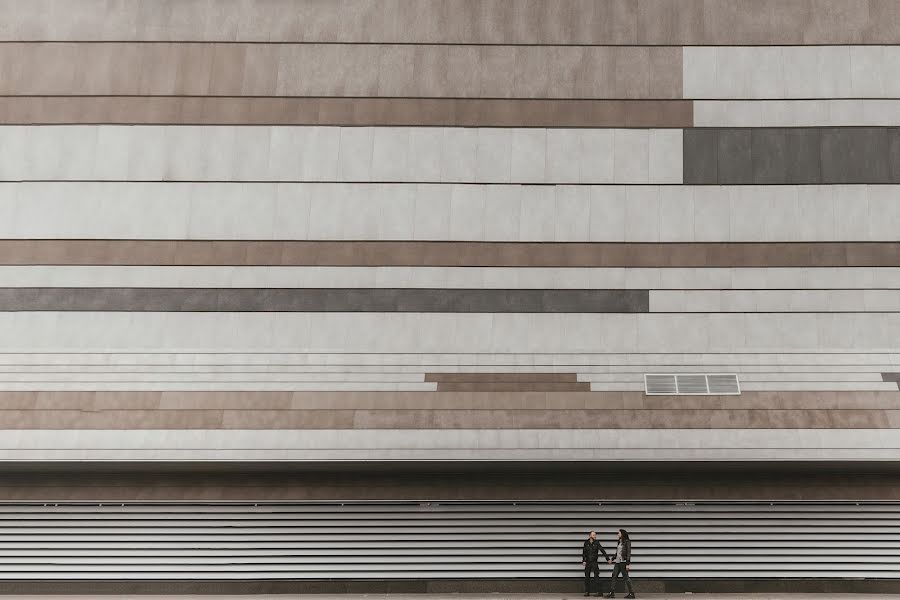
343 111
323 300
476 254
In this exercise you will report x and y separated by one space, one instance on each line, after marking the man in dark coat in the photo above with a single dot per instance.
590 554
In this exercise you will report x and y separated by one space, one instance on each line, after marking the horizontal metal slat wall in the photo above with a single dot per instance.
411 540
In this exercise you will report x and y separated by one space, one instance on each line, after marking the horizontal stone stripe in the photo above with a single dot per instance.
448 212
361 333
440 112
77 369
847 386
451 445
583 362
501 377
841 155
721 73
348 401
447 254
339 154
628 419
322 300
774 300
358 70
275 384
670 278
681 22
796 113
377 379
512 387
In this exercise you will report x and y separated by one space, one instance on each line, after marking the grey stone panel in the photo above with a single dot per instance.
894 153
734 156
769 156
804 161
855 155
792 155
700 151
324 300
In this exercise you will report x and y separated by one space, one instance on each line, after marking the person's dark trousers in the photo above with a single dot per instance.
620 568
591 567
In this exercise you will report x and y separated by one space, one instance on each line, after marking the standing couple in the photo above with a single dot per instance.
590 555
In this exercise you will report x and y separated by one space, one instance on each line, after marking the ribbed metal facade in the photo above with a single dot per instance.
454 540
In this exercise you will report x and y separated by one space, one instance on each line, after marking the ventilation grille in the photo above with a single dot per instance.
719 384
406 540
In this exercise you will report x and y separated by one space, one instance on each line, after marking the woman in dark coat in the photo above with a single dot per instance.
621 564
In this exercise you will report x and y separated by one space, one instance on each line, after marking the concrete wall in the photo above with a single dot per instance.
448 229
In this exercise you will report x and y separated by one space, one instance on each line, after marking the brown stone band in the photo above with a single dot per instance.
639 22
438 112
447 401
508 382
342 70
807 418
436 410
451 254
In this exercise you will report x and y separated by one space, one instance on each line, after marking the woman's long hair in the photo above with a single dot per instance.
624 534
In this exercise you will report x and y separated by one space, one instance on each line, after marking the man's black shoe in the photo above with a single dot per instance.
610 595
630 596
586 594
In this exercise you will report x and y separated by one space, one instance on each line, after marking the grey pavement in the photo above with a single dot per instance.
499 596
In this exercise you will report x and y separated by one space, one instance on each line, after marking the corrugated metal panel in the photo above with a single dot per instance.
443 540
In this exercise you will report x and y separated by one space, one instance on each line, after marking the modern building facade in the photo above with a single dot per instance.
363 295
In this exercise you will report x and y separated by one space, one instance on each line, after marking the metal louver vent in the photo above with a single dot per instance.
691 384
444 540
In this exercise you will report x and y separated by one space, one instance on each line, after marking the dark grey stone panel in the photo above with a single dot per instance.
894 153
792 155
323 300
700 156
804 160
734 156
855 155
770 155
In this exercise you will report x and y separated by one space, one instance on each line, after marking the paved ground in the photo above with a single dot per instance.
460 597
